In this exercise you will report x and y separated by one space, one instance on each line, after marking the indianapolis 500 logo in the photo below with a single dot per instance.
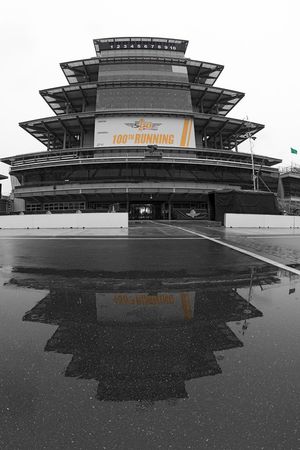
143 125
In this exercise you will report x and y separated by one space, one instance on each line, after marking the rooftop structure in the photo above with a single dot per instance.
3 200
139 126
2 177
289 189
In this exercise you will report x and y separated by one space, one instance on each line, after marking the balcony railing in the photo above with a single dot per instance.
293 168
130 154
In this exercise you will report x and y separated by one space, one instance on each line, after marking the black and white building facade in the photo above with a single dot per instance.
138 128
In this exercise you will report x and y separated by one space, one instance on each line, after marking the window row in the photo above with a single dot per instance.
55 206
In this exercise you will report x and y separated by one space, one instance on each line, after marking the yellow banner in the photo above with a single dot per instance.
143 131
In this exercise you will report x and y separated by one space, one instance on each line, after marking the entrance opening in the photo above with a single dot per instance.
141 211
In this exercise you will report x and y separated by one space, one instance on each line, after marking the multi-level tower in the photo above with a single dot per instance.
139 126
3 201
2 177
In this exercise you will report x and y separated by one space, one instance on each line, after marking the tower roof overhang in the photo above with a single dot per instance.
140 43
86 70
214 100
234 131
71 98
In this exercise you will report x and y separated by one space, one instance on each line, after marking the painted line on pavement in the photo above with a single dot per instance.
277 236
104 238
238 249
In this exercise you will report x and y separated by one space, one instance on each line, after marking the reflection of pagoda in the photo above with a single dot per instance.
142 346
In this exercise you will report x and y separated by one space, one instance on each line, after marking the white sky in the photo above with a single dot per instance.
256 40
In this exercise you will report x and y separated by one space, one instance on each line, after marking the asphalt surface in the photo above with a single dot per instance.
157 338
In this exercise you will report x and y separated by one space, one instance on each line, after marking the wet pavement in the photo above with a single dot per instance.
160 339
280 245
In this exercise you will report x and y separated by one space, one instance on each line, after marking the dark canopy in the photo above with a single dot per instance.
246 202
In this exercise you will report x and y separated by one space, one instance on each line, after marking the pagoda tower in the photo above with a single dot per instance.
140 128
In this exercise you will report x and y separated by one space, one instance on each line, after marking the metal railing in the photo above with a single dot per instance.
293 168
132 154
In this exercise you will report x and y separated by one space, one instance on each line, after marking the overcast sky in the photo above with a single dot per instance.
256 40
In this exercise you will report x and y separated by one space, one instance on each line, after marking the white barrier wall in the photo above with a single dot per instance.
88 220
260 221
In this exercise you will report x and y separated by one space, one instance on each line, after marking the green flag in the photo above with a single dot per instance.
294 151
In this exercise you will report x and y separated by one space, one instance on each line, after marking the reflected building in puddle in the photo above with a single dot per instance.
138 345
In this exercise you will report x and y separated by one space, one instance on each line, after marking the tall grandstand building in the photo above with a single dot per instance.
2 177
3 200
138 128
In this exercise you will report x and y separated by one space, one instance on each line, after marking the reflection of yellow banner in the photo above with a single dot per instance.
136 306
186 306
152 130
143 299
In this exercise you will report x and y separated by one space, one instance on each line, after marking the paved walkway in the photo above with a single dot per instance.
280 245
63 233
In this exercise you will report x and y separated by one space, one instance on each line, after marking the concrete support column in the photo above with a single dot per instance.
205 138
65 139
169 211
127 200
221 141
201 106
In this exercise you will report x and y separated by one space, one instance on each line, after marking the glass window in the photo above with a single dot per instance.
32 207
62 206
142 71
143 98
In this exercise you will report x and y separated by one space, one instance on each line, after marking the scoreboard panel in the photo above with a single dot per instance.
174 45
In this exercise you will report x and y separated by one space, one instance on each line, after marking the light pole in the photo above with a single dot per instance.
254 179
251 139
